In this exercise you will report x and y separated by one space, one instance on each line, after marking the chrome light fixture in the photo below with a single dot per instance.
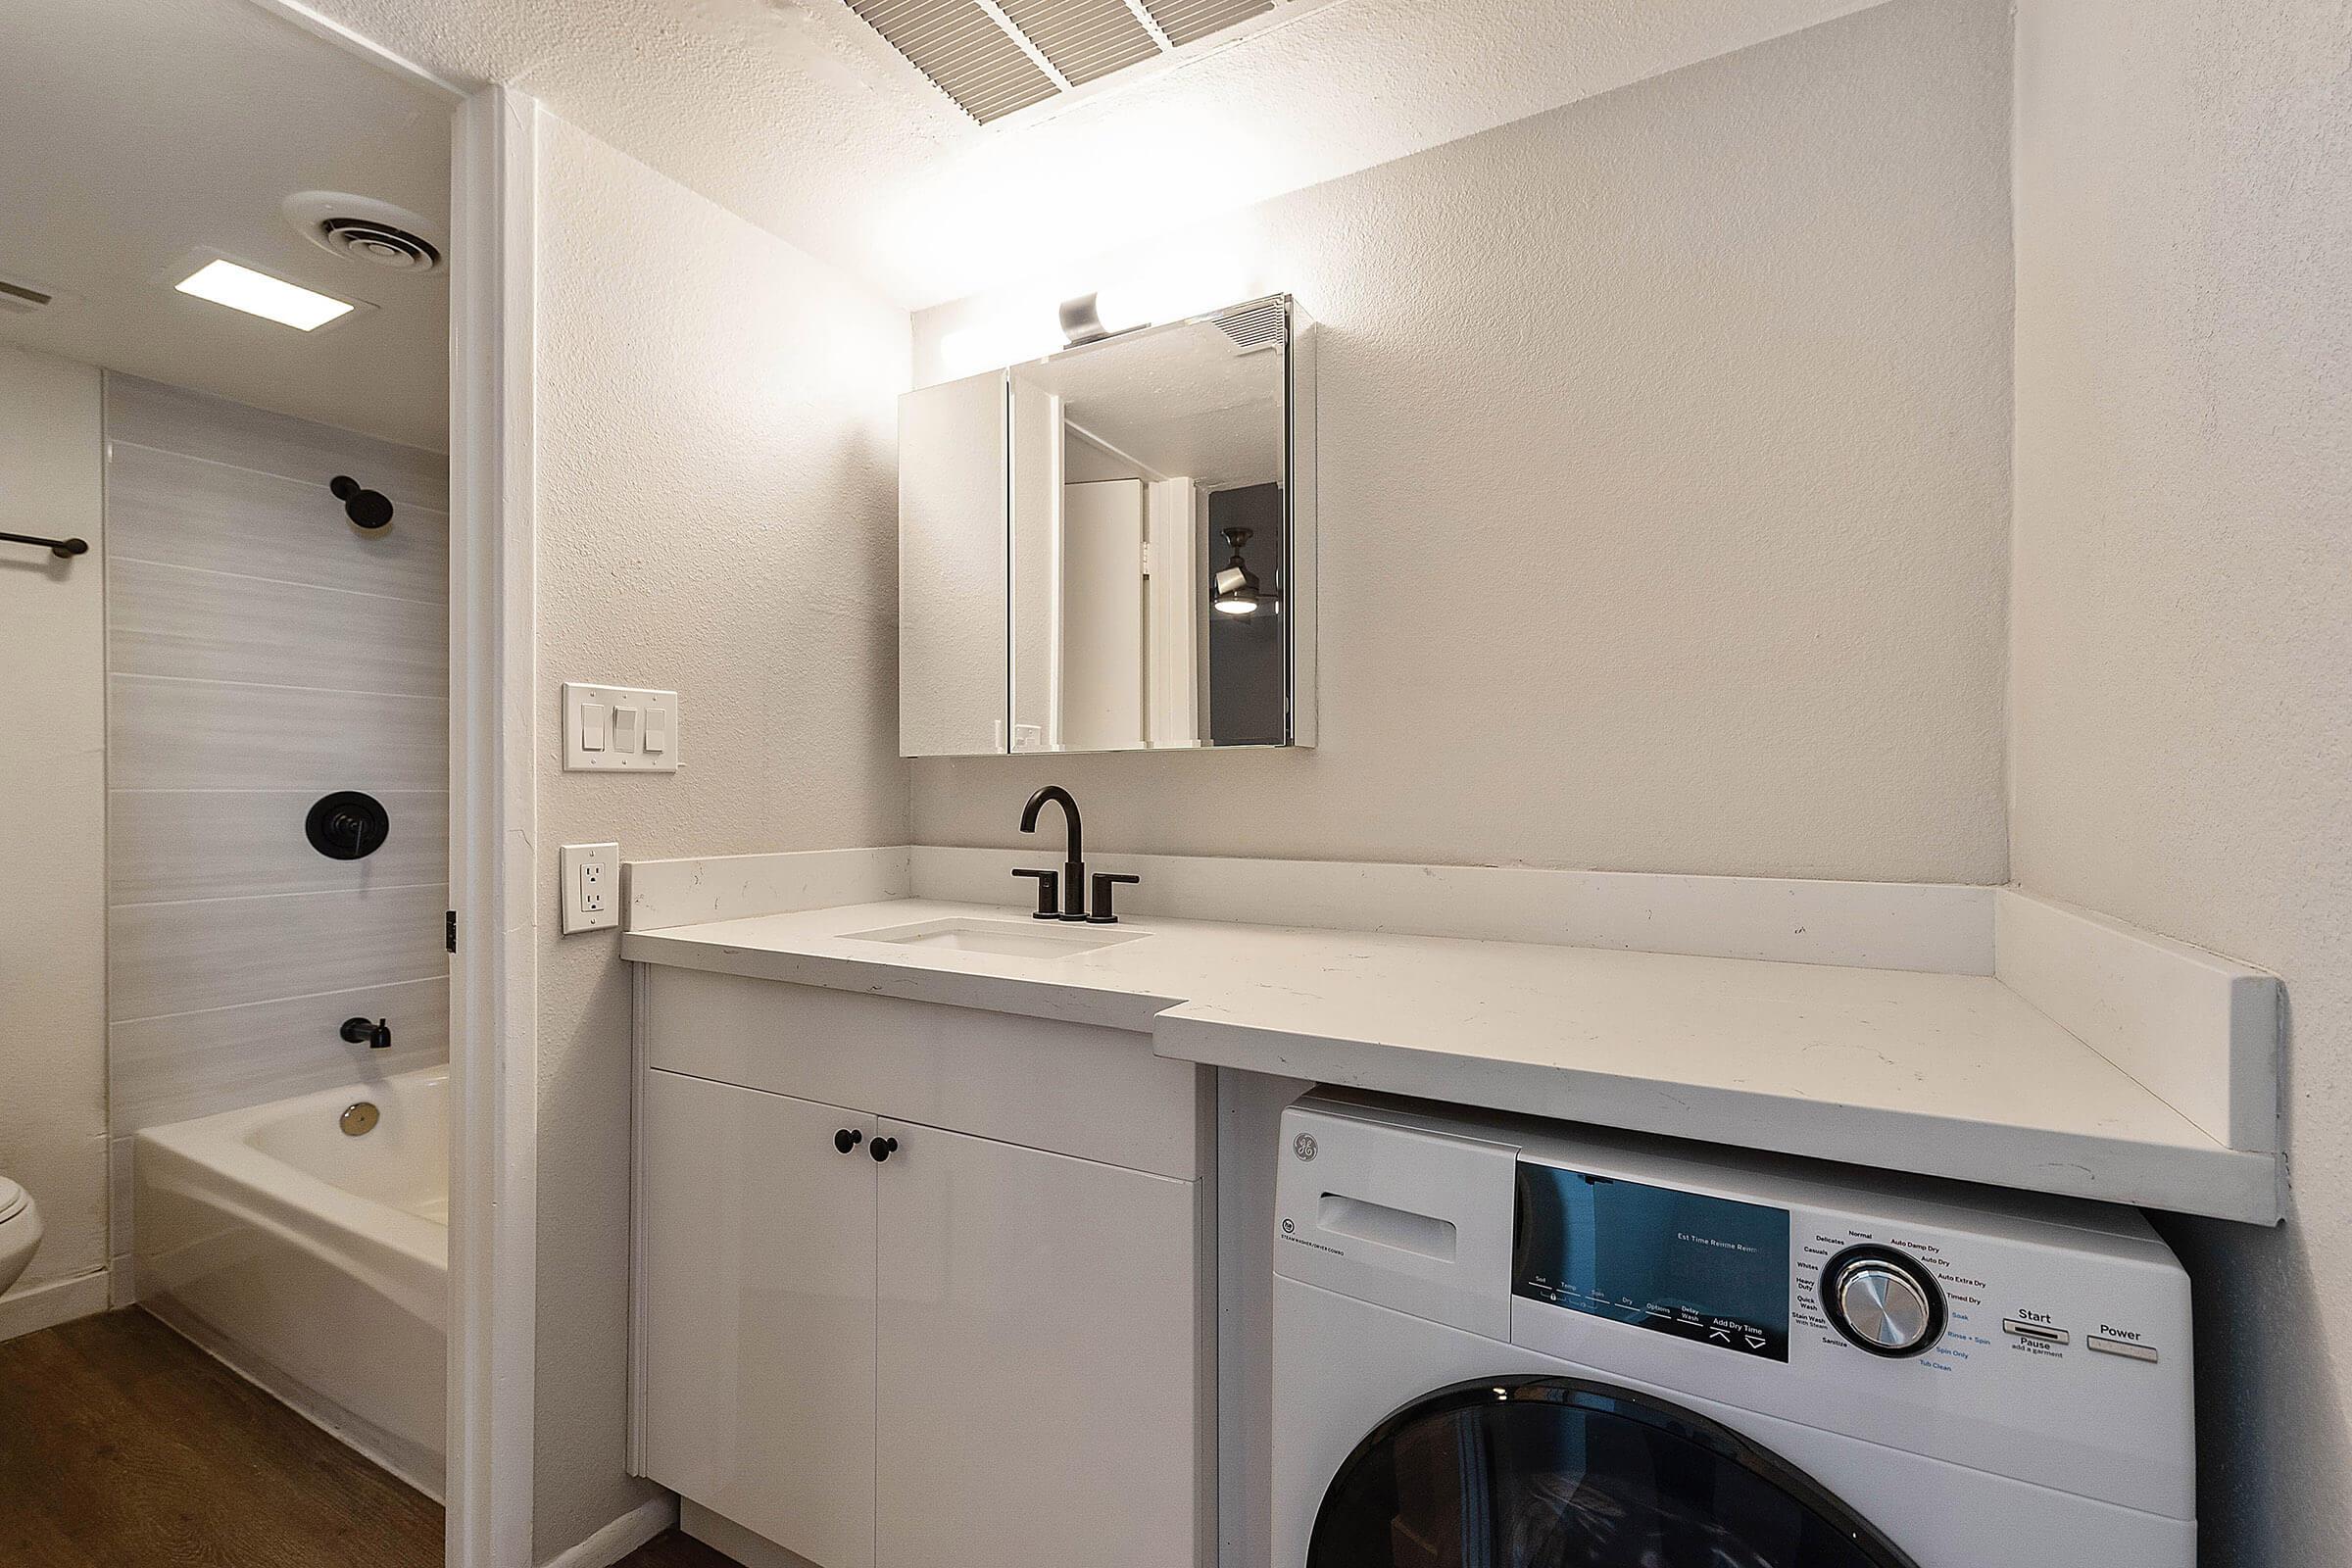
1081 321
1236 590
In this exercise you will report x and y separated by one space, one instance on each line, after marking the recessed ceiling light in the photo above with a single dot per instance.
241 288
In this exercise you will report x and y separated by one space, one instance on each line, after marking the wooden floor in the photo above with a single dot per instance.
124 1445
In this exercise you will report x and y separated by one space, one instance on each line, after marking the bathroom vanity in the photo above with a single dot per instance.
1054 1285
920 1284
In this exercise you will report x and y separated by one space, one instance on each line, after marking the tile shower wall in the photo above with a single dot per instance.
261 651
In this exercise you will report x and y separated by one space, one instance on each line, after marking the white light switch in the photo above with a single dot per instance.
591 875
620 728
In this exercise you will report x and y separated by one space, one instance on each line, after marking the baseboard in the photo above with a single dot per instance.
45 1306
621 1537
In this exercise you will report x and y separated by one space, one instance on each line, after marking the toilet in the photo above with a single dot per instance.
20 1230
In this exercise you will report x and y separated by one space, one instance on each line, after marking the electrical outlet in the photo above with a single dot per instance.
591 876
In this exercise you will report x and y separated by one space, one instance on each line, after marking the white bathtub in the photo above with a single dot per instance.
313 1262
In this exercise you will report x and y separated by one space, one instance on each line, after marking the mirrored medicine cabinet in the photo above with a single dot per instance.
1112 549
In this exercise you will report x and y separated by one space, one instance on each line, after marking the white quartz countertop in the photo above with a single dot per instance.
1941 1074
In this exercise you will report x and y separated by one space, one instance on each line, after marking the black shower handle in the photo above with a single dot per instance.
369 509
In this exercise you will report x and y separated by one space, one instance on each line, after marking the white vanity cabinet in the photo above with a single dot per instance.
991 1348
759 1264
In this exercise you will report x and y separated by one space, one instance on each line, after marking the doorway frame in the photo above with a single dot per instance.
494 1130
493 804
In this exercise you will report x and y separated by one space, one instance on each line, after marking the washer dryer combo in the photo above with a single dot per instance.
1514 1345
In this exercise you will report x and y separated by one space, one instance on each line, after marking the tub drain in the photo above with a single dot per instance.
359 1116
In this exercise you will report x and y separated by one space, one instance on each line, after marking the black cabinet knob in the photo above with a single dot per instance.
847 1139
884 1147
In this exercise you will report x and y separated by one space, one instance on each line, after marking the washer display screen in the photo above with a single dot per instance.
1702 1268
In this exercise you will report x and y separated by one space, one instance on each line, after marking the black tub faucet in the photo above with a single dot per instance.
1073 865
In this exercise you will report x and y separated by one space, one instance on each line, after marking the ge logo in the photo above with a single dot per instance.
1303 1146
1289 1227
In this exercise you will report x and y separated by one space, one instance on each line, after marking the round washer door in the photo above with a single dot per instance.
1521 1472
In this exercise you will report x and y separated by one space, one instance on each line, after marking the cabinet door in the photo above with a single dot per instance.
1039 1378
758 1261
953 652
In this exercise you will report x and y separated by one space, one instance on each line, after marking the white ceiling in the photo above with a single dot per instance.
134 132
797 116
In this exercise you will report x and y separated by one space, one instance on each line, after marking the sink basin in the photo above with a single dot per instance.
1013 939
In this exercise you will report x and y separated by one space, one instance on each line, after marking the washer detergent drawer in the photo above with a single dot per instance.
1413 1220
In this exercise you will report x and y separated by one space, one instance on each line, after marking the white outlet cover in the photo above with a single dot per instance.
591 876
656 722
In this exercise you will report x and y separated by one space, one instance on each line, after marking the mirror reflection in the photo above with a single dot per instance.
1150 592
1148 530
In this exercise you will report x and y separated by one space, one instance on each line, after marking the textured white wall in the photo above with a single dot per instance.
2182 609
53 823
717 514
1665 474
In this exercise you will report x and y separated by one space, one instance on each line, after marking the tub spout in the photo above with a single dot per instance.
377 1036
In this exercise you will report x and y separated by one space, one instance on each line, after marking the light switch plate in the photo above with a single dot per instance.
619 729
591 875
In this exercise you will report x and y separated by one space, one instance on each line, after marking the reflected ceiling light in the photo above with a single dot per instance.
1237 591
241 288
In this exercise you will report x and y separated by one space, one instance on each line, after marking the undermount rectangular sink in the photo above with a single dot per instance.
1014 939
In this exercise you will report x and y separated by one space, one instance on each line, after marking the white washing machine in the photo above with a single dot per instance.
1517 1345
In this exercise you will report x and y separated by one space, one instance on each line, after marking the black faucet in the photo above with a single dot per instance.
377 1036
1073 865
1070 881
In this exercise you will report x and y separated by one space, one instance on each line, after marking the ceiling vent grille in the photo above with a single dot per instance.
1184 21
997 57
1256 327
964 52
1085 39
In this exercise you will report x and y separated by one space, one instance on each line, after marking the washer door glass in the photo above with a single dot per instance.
1560 1473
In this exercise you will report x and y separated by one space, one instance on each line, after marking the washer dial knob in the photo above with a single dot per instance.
1883 1301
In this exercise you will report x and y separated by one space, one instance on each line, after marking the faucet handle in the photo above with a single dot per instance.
1100 903
1048 894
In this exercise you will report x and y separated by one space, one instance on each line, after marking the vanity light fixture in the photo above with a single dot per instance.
1237 589
1082 320
241 288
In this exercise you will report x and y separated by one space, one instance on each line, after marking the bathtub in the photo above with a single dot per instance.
314 1261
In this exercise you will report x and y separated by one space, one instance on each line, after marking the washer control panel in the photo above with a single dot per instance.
2026 1337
